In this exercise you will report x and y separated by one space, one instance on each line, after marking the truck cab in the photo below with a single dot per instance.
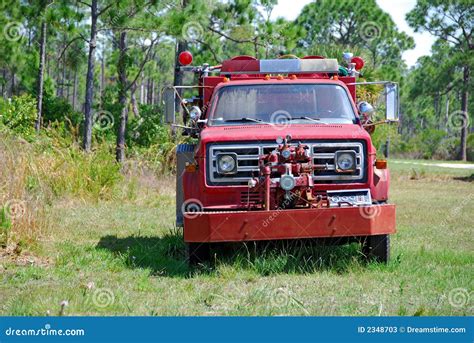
283 151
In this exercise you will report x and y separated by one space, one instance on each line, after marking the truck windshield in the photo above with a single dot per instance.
284 103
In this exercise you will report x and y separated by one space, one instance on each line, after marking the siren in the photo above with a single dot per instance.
185 58
358 61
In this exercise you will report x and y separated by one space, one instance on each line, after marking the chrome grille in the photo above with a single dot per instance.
322 154
250 198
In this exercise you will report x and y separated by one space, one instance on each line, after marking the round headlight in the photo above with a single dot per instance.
226 164
345 160
287 182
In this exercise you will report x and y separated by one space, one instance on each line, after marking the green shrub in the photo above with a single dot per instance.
431 140
448 149
470 147
57 109
429 144
19 115
147 129
380 136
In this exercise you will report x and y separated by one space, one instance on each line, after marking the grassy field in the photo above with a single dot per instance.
126 258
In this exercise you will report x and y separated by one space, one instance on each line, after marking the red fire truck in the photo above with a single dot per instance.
283 151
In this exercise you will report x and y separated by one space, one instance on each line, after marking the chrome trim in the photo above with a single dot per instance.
315 149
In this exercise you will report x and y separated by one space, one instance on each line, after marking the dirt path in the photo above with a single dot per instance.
443 165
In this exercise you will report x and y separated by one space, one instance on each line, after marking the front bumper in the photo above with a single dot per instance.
237 226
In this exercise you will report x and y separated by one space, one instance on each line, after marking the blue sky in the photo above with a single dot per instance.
290 9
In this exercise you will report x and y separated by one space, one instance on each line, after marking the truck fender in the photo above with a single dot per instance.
381 184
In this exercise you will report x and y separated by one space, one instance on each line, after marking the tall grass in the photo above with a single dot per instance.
22 212
293 256
34 175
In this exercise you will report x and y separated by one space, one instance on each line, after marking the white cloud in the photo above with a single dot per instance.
423 41
290 9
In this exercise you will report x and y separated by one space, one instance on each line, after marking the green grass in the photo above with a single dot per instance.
126 258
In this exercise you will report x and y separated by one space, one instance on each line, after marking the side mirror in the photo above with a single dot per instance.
169 100
365 109
391 102
366 112
195 113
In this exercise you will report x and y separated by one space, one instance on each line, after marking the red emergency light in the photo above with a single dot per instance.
250 65
359 62
185 58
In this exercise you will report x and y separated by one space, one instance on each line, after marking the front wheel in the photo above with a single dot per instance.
197 253
377 248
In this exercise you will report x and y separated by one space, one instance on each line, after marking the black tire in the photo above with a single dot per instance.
377 248
197 253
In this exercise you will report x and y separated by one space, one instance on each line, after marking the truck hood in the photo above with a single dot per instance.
257 132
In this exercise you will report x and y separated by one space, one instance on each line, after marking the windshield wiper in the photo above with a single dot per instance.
246 119
317 120
307 118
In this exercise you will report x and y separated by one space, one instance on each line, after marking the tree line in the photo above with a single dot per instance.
98 66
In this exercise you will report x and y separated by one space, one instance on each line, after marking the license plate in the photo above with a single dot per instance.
354 197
